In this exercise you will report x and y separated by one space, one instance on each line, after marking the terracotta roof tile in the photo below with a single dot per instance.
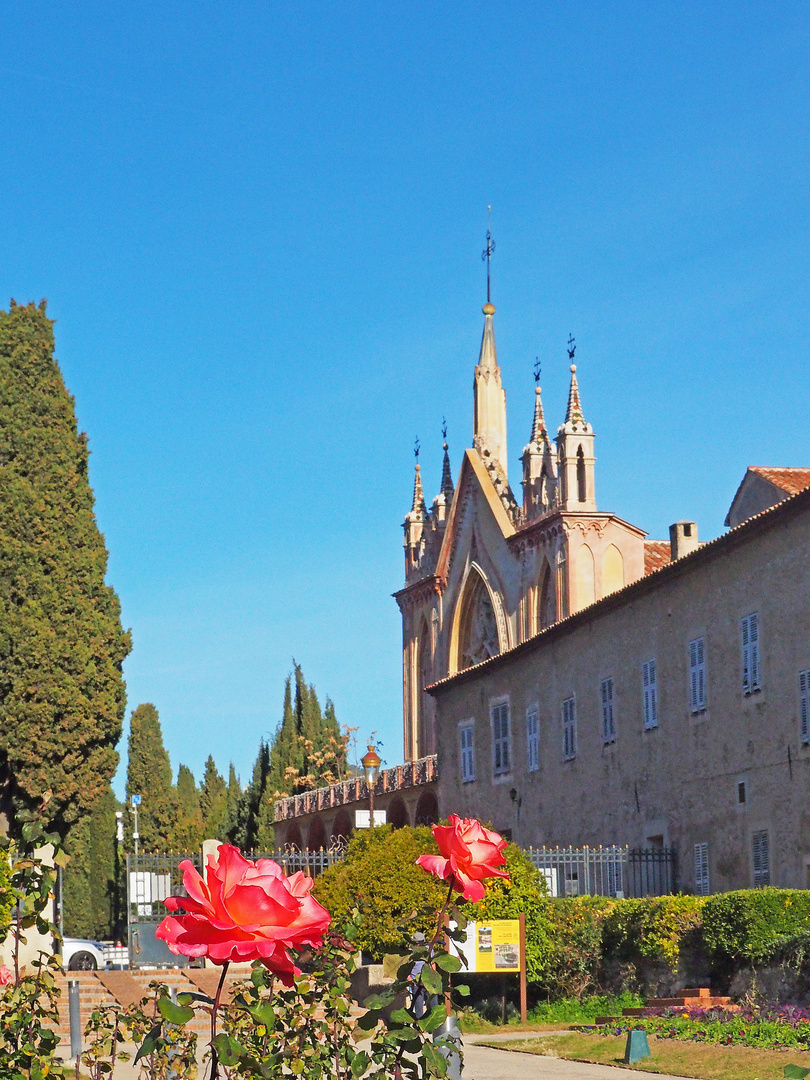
790 480
657 553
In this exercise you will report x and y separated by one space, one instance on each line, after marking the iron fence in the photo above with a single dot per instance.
606 871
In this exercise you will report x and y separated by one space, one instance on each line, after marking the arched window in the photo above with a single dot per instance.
425 740
478 626
612 570
397 813
427 809
582 494
586 587
547 612
316 836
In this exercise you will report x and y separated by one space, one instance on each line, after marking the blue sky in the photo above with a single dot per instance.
259 228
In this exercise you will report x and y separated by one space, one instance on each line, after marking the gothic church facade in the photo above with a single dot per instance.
485 571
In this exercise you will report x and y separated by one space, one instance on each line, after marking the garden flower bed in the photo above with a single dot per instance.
771 1027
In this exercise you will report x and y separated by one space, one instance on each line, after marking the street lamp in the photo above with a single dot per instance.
371 767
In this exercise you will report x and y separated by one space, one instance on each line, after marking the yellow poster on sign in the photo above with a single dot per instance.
497 945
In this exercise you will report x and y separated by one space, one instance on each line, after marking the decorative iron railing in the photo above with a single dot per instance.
412 774
606 871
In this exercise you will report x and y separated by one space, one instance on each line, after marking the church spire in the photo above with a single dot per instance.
447 476
574 415
415 521
575 456
489 425
418 494
539 473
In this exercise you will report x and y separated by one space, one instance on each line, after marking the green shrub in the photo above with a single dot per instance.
379 876
745 926
654 928
574 926
525 891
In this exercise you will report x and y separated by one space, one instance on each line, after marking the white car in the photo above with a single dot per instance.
81 954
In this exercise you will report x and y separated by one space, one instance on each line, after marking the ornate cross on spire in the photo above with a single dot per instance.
416 449
572 347
538 367
486 254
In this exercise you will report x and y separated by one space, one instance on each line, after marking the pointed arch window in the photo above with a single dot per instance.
547 609
478 638
582 494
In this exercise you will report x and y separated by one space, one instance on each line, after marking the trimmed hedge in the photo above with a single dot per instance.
747 925
655 928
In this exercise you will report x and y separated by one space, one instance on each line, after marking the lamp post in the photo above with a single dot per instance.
371 767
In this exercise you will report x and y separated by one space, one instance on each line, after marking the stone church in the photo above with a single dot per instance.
485 570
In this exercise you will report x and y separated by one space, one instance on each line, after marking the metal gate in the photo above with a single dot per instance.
150 879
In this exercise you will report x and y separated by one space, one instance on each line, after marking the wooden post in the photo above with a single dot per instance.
524 1015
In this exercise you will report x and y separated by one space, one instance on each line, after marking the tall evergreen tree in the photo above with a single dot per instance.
149 774
188 829
308 749
214 802
248 826
91 880
61 641
234 806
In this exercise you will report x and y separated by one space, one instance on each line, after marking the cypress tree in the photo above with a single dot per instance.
188 830
92 904
234 804
149 774
214 802
61 641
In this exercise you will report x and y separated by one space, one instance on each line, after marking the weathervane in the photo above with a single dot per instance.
416 448
486 254
444 429
572 347
538 367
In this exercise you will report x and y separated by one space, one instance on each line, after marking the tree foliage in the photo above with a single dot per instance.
61 641
379 876
213 803
92 879
149 774
188 827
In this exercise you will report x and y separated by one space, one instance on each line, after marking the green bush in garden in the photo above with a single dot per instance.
746 926
574 928
654 928
380 878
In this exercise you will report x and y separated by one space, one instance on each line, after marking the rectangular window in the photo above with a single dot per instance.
749 627
761 858
697 675
569 724
649 687
608 712
702 870
501 750
467 746
532 740
804 704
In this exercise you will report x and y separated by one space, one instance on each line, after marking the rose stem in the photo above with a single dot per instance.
214 1007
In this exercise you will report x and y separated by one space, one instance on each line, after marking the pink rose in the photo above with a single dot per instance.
244 911
6 975
469 855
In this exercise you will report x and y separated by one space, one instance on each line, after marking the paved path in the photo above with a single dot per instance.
485 1063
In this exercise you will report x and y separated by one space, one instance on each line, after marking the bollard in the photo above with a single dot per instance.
449 1030
75 1019
637 1047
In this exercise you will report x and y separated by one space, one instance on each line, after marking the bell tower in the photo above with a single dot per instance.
575 457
